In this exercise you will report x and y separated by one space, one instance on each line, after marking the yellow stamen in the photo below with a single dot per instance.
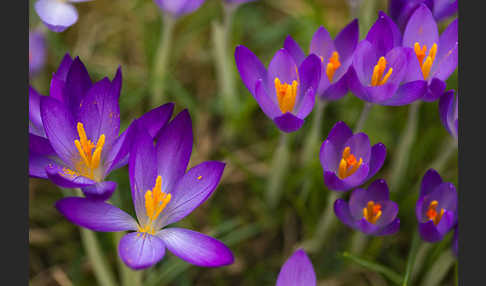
425 62
90 160
432 212
372 212
377 77
155 203
348 164
332 66
286 95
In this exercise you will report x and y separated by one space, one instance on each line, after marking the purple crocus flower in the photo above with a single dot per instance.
297 270
74 132
37 52
163 193
431 58
57 15
436 207
286 91
348 159
370 211
379 68
448 111
400 10
336 56
180 7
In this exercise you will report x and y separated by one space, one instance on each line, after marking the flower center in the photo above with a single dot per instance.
372 212
90 161
332 66
433 214
429 60
155 203
286 95
348 165
377 78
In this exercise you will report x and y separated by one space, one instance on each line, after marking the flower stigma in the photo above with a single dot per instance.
348 165
372 212
286 95
432 212
377 78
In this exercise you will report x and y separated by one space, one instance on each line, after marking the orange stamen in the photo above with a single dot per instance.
425 61
332 66
372 212
378 78
286 95
348 164
90 160
432 212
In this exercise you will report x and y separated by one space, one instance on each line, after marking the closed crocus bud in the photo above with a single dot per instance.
178 8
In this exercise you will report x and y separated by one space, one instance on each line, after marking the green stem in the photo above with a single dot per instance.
162 60
128 276
403 150
411 257
278 170
439 269
390 274
358 242
419 261
363 116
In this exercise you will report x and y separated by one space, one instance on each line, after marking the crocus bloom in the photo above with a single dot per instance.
285 93
348 159
370 211
448 111
431 58
179 8
436 207
163 193
378 71
57 15
336 56
37 52
74 138
400 10
297 270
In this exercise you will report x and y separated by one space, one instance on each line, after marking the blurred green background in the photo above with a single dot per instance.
126 33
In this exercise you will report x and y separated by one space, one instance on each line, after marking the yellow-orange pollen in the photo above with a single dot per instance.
348 165
155 203
332 66
372 212
90 161
425 62
378 78
433 214
286 95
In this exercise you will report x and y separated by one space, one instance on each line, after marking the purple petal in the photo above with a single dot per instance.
99 191
378 155
336 90
294 50
191 6
58 80
34 112
268 106
367 227
446 195
63 69
282 67
40 145
37 52
250 67
430 182
306 104
336 184
77 84
447 222
444 8
297 270
434 90
62 177
140 250
364 59
193 189
37 165
179 8
407 93
428 231
339 134
288 122
309 75
56 15
118 153
173 149
322 44
196 248
448 108
447 55
390 229
360 146
376 192
414 71
341 209
329 156
95 215
421 28
381 35
347 40
154 120
397 35
59 128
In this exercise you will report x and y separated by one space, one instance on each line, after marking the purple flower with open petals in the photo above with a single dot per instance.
179 8
448 111
400 10
163 193
431 58
286 91
370 211
57 15
297 270
37 52
379 68
348 159
336 56
74 133
436 207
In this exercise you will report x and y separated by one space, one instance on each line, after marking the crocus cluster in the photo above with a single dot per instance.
57 15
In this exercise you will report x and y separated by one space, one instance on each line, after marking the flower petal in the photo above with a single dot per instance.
78 82
336 90
294 50
117 155
339 134
282 67
435 89
173 149
250 67
347 40
378 155
288 122
430 181
329 156
381 35
196 248
336 184
306 104
268 106
341 209
297 270
95 215
139 251
56 15
322 44
61 177
390 229
37 165
37 52
444 8
407 93
428 231
154 120
360 146
99 191
193 189
421 28
447 54
35 118
309 75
